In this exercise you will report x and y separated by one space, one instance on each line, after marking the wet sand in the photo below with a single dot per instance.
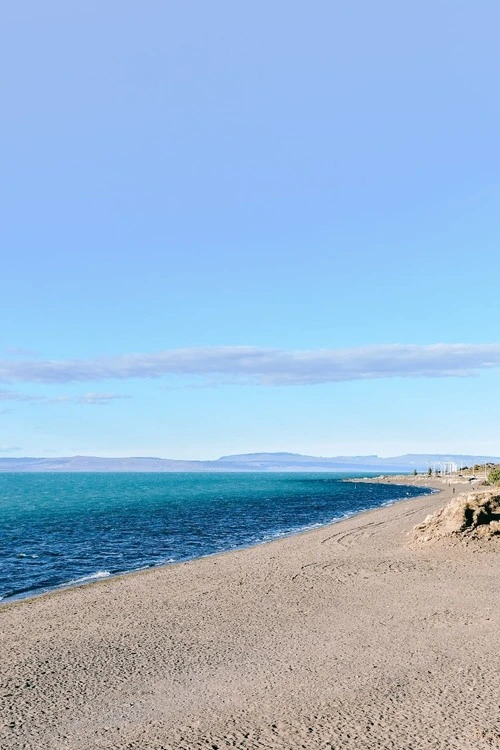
348 636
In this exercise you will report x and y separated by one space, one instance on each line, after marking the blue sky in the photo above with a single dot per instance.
288 177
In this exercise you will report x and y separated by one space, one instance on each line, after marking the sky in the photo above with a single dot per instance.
232 227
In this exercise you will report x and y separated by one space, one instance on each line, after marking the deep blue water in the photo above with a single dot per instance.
60 529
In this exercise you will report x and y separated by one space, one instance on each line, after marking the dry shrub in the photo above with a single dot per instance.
474 515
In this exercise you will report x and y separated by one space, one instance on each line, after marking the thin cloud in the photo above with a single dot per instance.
93 399
8 395
257 365
9 448
19 351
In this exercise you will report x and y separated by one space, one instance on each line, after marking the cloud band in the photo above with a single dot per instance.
265 366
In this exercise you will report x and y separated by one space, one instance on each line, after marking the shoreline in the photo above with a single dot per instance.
93 581
344 636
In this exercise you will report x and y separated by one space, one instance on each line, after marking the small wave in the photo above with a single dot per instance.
151 564
274 535
91 577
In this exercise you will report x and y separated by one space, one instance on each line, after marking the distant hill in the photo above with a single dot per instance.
243 462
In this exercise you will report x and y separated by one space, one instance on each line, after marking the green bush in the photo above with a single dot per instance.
494 476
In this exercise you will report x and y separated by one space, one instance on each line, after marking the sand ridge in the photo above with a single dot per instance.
347 636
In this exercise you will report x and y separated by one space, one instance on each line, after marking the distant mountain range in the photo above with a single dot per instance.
244 462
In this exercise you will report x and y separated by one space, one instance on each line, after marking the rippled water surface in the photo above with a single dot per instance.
60 529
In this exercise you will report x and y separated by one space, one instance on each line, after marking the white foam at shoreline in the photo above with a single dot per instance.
90 577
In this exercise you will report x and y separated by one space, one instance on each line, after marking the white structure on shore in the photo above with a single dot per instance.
444 467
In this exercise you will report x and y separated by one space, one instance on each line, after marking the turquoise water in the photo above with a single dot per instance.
65 529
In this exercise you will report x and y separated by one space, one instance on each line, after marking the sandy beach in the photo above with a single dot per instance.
349 636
